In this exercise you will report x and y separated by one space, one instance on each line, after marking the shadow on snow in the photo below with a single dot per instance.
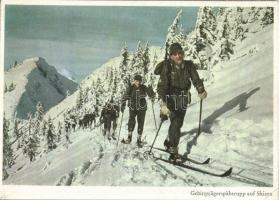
240 100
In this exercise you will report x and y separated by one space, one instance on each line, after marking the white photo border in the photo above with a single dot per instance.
105 192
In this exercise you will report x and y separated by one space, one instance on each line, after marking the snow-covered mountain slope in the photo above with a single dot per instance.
237 131
35 81
57 111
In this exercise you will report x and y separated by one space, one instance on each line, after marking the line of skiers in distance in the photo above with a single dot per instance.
72 120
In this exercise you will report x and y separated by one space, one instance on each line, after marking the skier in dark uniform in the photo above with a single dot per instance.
173 89
115 116
135 94
226 50
109 115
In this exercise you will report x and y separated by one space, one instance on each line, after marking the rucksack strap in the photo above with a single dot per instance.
186 64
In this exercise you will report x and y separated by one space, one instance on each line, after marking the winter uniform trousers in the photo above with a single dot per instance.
114 124
115 115
107 123
140 114
177 105
137 105
109 116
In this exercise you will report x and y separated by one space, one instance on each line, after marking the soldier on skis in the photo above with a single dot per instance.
115 116
173 89
135 94
109 115
226 50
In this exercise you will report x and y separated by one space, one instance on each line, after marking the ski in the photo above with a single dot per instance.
186 158
225 174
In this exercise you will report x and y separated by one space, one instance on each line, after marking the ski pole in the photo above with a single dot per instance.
149 152
154 115
199 130
120 128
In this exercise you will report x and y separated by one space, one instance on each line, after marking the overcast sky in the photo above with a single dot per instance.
78 39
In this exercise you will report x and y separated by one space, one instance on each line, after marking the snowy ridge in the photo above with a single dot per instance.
35 81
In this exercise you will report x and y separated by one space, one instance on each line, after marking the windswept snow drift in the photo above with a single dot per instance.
35 80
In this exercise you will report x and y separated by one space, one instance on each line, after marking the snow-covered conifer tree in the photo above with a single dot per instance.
122 77
31 138
86 94
16 132
93 87
59 131
20 140
80 98
152 78
124 71
268 16
6 88
39 111
206 25
111 77
43 127
136 65
146 59
8 156
175 31
11 87
51 137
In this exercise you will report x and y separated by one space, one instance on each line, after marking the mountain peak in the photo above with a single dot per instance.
33 80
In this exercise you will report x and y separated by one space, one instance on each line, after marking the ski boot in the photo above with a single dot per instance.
174 156
139 142
167 145
107 134
113 135
128 140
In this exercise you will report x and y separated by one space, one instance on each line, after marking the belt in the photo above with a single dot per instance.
178 91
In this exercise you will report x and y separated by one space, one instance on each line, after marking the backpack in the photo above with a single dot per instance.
168 72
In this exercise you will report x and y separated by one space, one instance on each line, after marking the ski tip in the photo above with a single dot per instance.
227 173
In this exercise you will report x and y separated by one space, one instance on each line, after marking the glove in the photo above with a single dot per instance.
203 95
164 109
163 117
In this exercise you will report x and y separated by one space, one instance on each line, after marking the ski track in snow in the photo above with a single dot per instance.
126 165
132 167
76 176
